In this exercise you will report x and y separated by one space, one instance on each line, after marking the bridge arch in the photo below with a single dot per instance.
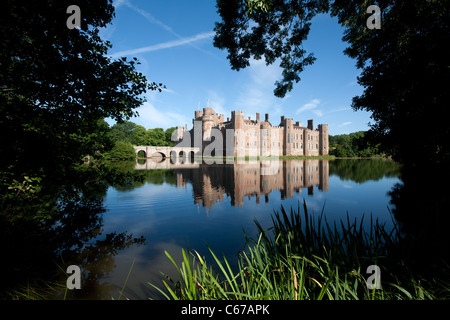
158 156
176 154
173 156
183 155
141 154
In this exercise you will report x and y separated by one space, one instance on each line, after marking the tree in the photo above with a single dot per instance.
405 75
355 144
139 136
404 65
157 137
56 83
168 134
122 131
122 151
278 30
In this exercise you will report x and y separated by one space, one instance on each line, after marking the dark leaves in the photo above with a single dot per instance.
267 29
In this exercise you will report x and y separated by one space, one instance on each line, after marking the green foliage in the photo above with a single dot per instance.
404 65
157 137
122 131
121 151
307 258
137 135
360 171
405 75
353 145
55 85
168 133
278 33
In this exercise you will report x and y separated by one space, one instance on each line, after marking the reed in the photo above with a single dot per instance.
303 256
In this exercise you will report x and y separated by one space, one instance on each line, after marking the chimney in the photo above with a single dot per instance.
310 124
267 117
282 119
257 116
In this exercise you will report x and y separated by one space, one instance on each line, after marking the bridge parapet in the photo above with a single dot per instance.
166 152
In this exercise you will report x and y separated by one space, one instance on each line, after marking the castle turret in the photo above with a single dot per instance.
323 139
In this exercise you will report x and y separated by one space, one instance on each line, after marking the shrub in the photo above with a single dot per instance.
121 151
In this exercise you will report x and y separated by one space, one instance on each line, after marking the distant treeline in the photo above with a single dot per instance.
119 139
355 144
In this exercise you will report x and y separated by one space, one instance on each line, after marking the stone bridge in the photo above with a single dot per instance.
162 153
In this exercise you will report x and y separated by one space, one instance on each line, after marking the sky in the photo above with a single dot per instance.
173 40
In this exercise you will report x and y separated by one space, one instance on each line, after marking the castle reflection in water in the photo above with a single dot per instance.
212 183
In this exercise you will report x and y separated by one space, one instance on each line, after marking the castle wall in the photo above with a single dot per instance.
261 138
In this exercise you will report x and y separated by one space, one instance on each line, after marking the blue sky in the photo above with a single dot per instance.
173 41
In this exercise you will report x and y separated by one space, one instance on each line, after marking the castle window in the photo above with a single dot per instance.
255 133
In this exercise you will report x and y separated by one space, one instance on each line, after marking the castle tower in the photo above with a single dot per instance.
288 136
323 139
237 120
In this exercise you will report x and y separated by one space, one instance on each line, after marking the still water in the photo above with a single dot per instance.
175 206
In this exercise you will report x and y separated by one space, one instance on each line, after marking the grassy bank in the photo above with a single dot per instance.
304 257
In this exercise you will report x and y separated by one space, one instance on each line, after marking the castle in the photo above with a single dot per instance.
246 137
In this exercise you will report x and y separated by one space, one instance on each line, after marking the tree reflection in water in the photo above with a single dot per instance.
37 251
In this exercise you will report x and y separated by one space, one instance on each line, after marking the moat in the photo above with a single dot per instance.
196 206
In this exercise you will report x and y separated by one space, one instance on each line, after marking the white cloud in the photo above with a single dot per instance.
318 113
165 45
339 109
343 124
150 18
313 104
119 3
152 117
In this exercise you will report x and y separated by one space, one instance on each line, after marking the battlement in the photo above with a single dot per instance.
288 145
